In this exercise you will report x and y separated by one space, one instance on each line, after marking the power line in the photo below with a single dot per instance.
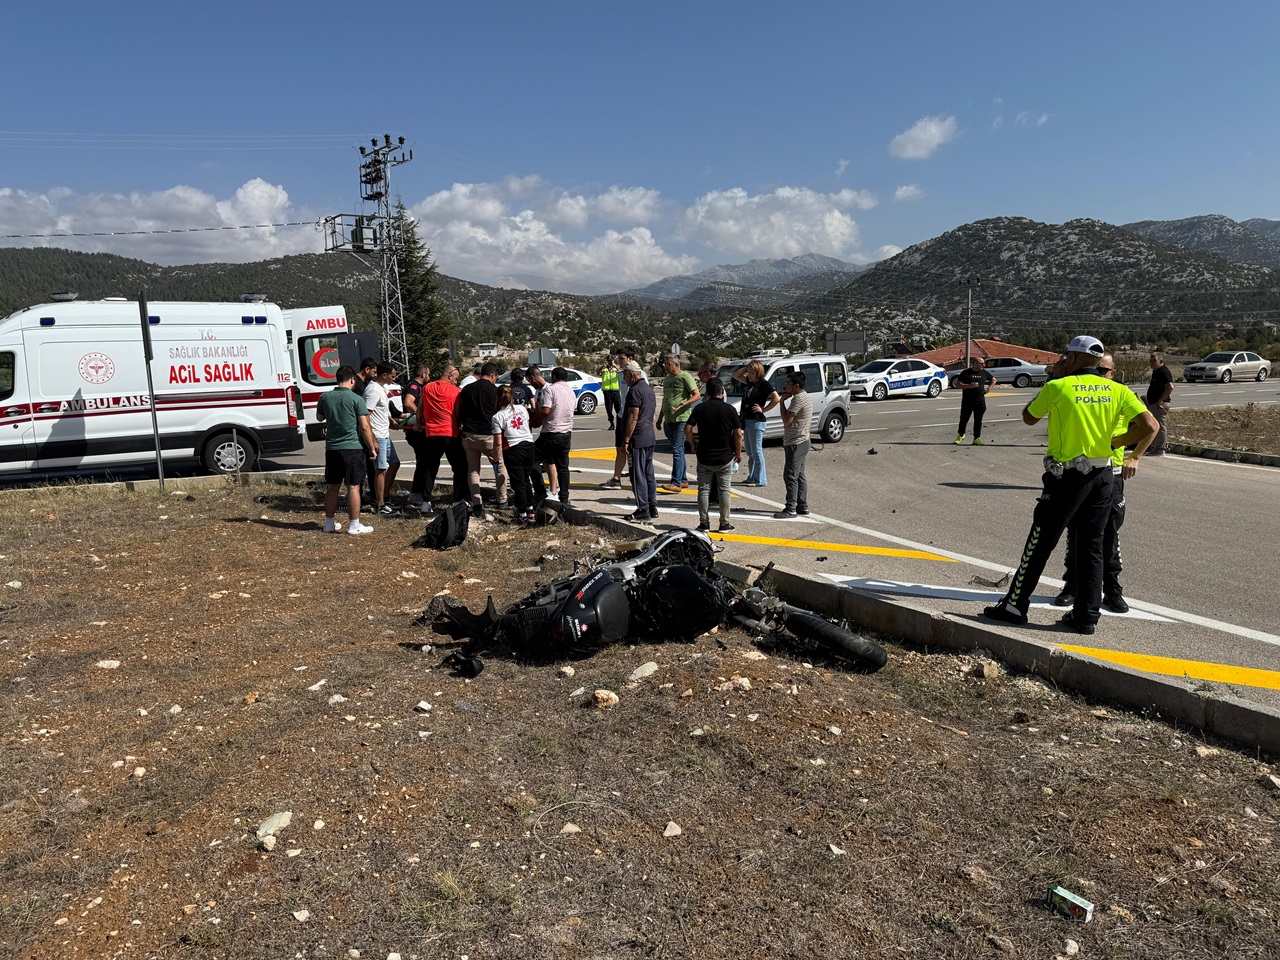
144 233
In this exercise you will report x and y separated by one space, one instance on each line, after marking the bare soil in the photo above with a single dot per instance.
922 811
1250 428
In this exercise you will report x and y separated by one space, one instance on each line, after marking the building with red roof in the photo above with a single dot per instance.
954 354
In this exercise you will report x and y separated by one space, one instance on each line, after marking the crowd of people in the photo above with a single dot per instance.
463 424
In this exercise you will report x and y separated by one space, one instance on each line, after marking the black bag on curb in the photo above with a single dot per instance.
447 530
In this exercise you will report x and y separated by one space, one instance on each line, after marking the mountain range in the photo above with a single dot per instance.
1255 242
765 274
1033 280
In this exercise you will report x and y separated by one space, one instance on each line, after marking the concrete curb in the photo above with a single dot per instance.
1223 715
1230 456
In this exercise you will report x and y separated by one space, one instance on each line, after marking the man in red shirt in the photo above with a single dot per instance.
437 415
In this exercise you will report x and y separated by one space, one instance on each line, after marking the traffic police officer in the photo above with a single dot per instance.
1084 412
1112 565
609 386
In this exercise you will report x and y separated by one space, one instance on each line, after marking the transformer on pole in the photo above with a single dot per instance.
377 235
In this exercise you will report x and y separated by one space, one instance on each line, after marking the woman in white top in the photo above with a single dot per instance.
512 421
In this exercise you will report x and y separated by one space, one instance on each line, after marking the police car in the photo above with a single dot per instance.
586 387
893 378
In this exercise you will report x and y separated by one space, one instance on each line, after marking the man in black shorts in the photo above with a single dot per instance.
348 447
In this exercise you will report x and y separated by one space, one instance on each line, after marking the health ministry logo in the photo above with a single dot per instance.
96 368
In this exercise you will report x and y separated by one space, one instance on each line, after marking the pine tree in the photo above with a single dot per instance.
427 323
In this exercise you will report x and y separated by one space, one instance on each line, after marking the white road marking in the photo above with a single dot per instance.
962 593
1002 568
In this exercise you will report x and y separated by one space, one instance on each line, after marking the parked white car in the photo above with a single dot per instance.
826 378
880 379
586 387
1014 370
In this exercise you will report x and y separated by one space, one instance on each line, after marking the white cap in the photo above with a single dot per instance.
1089 345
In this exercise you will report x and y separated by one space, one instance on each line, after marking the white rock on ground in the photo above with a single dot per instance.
570 828
642 671
274 824
673 829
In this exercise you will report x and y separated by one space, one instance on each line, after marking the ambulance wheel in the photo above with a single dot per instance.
226 453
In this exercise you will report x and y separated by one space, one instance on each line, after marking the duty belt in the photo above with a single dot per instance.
1082 463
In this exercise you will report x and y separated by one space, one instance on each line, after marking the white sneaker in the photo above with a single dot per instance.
358 527
331 526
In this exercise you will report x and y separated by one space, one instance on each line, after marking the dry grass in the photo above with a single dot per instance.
1250 428
956 800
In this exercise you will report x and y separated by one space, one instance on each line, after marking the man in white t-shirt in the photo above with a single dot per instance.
554 412
388 463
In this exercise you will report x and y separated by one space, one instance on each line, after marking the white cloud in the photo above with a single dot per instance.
476 232
841 167
908 191
1026 118
517 231
924 138
131 225
1042 120
887 251
785 223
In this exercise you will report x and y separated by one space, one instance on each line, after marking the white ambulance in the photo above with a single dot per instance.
320 342
73 386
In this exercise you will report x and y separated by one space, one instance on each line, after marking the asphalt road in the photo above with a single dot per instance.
929 519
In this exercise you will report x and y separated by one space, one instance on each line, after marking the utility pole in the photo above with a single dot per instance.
969 282
378 236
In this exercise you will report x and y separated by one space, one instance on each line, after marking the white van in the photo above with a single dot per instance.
826 382
321 341
73 386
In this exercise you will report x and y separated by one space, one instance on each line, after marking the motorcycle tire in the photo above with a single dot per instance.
837 639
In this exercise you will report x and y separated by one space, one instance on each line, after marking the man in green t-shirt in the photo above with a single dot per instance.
348 447
1086 413
679 394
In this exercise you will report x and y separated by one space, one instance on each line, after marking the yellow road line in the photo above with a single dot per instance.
603 453
832 547
1195 669
689 491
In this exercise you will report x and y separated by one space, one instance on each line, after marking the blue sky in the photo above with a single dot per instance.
593 147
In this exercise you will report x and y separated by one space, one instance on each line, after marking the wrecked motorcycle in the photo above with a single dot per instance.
769 617
664 588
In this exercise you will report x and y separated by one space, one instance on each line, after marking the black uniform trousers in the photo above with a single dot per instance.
612 406
1079 501
433 448
1111 562
977 407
